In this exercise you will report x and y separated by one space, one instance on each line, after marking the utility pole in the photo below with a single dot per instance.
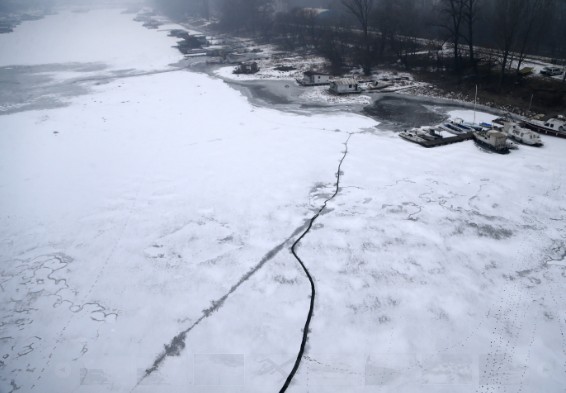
475 103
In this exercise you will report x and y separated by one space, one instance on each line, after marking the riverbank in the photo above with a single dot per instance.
147 231
528 96
275 85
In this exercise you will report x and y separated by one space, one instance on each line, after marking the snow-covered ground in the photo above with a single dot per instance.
164 206
269 59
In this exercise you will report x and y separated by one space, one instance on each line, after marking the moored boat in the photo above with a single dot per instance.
522 135
452 128
412 136
478 127
459 123
493 140
427 133
554 126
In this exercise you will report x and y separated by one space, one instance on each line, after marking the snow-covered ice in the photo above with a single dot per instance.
89 37
164 201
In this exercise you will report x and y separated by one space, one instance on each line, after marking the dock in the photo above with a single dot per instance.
446 141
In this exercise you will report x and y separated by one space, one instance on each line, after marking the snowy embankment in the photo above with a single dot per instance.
164 206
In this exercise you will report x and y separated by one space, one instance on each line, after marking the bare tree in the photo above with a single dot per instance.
249 15
509 14
536 11
205 9
361 10
453 10
470 14
389 17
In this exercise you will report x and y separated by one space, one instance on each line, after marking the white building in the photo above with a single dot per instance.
313 78
345 86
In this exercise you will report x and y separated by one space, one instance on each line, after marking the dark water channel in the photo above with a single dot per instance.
402 113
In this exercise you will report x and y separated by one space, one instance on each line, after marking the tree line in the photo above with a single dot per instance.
368 32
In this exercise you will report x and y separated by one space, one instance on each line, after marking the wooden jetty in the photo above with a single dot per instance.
445 140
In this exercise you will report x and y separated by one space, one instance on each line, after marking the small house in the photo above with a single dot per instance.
247 68
313 78
345 86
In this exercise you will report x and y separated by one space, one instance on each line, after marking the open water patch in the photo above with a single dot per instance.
400 113
24 88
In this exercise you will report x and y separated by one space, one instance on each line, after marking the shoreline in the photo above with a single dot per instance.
444 95
285 95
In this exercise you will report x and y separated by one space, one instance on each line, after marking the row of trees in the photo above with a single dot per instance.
373 30
512 27
516 27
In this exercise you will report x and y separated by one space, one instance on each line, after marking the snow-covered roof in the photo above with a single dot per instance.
346 82
311 73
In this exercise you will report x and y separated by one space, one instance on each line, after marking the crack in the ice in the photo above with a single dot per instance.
313 290
177 344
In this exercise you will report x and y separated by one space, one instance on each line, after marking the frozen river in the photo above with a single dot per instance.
147 215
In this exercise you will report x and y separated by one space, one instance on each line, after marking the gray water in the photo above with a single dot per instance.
34 87
24 88
401 113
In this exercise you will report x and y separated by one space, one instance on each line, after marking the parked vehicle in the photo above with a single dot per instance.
551 71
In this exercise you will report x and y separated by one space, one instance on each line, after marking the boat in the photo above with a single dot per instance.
432 137
500 120
477 127
522 135
412 136
493 140
511 145
554 126
427 133
452 128
459 123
